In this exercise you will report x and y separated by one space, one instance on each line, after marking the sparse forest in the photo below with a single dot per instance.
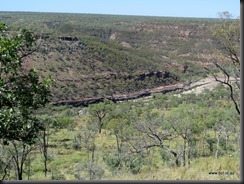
88 97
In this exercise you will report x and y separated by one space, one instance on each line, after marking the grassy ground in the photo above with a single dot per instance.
64 161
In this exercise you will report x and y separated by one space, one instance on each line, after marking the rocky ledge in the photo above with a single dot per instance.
121 97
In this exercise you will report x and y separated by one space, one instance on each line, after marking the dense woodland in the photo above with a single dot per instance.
46 59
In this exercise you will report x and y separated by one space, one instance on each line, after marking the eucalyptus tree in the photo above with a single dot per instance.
188 122
153 131
226 56
89 168
119 126
99 112
226 126
22 92
48 129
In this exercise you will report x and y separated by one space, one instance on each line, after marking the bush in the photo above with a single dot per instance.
167 158
63 121
58 176
89 170
135 163
112 161
76 145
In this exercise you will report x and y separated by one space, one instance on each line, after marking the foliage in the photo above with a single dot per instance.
58 176
21 93
103 55
136 139
227 58
89 171
99 112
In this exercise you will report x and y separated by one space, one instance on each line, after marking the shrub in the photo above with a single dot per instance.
58 176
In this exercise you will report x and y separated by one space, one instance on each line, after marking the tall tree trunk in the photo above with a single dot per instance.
184 154
100 125
20 158
45 151
20 175
118 145
93 154
189 153
118 149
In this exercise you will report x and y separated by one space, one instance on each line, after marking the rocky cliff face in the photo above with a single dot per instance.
121 97
141 76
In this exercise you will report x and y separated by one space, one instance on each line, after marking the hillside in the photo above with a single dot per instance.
103 55
172 117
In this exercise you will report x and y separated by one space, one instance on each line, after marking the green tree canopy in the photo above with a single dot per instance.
21 89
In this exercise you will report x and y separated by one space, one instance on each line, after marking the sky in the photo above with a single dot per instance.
165 8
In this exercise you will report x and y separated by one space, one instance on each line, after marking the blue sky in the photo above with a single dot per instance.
171 8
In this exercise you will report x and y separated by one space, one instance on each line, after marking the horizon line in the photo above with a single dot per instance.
108 14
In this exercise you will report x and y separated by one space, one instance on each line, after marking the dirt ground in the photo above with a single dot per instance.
207 83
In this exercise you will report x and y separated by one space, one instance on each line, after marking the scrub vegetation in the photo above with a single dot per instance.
102 97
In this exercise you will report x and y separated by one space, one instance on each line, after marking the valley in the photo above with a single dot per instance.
88 56
108 97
